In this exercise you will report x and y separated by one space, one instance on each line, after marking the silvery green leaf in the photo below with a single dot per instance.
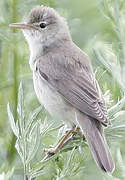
69 161
54 129
17 126
107 98
37 173
46 129
36 143
117 129
18 148
32 118
12 122
117 107
20 108
102 60
121 126
119 117
120 160
39 165
101 57
20 101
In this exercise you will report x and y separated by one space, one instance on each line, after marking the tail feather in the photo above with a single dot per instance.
93 132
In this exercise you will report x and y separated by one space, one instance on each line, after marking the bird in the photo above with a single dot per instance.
64 81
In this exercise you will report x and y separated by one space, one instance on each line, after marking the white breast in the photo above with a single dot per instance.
53 101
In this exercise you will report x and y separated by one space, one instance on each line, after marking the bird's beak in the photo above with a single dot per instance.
22 26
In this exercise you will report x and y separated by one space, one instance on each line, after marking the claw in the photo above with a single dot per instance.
49 150
48 156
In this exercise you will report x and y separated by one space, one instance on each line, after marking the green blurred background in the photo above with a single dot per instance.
98 28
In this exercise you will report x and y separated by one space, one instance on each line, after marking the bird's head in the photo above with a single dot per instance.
43 26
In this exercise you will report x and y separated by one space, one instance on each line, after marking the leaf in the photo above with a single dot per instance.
32 118
101 57
117 107
20 108
12 122
36 143
117 129
18 148
38 173
102 60
67 167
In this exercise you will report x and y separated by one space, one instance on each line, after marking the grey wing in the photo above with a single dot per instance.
76 83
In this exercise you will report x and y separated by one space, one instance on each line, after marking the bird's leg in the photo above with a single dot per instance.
65 138
50 152
72 137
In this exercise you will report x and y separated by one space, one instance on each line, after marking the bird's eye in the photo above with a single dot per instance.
42 25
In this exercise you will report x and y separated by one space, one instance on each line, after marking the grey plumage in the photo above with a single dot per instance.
64 80
71 74
75 81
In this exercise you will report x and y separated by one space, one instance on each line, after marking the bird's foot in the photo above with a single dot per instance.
50 152
53 150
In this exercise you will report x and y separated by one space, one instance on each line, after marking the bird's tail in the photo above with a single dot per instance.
93 132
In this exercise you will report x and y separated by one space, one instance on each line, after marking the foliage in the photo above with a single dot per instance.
33 129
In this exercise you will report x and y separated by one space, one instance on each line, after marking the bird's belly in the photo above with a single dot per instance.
53 102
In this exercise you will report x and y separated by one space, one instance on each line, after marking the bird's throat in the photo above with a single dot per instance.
36 51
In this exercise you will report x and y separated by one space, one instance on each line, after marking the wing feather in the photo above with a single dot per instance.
76 84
